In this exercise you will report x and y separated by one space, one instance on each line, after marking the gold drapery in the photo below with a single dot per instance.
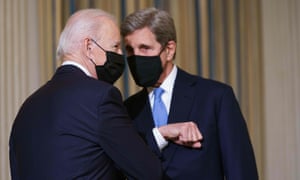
217 39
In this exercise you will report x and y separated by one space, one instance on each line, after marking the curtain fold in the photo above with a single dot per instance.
19 66
217 39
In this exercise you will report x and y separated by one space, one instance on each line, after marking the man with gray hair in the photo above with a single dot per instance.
76 126
174 107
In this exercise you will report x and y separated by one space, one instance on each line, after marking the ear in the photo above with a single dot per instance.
171 50
88 46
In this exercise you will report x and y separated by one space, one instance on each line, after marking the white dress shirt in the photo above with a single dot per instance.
168 86
68 62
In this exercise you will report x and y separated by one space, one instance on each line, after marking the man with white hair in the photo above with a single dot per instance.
75 126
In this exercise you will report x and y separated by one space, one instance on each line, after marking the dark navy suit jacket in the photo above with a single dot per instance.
76 127
226 150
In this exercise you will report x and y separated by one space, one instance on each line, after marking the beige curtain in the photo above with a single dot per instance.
281 37
250 44
19 65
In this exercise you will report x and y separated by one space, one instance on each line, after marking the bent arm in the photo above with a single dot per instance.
122 143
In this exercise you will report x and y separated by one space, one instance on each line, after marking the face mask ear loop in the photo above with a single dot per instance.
98 45
164 47
92 61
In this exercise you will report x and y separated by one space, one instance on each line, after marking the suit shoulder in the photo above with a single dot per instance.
98 86
136 98
201 82
131 99
213 83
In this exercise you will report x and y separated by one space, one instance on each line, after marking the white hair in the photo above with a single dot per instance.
81 24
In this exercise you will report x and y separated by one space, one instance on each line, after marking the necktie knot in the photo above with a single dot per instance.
158 92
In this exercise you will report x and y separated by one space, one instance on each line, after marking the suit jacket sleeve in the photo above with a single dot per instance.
13 162
236 148
121 142
152 144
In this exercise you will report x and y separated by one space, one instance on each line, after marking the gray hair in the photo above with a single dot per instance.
159 22
80 25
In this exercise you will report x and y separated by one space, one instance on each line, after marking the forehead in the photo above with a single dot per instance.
141 36
110 31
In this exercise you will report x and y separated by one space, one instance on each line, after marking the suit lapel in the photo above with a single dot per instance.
182 98
181 105
145 116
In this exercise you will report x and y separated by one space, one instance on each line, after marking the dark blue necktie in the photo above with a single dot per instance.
159 110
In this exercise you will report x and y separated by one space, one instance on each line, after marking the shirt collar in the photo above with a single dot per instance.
69 62
168 83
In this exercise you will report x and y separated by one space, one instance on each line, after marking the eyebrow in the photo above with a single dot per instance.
139 46
144 46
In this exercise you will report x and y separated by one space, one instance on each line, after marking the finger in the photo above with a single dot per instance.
191 144
197 144
197 133
189 134
193 132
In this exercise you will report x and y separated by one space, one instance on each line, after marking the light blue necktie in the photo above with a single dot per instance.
159 110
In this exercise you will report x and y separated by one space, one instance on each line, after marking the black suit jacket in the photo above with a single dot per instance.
76 127
226 150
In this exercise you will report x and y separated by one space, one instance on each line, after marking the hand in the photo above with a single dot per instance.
184 133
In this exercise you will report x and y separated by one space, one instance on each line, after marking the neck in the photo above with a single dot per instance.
85 63
166 71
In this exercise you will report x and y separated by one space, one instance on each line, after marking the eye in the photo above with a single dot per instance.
116 47
144 49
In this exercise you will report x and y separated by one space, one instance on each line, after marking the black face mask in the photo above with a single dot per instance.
145 70
113 67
